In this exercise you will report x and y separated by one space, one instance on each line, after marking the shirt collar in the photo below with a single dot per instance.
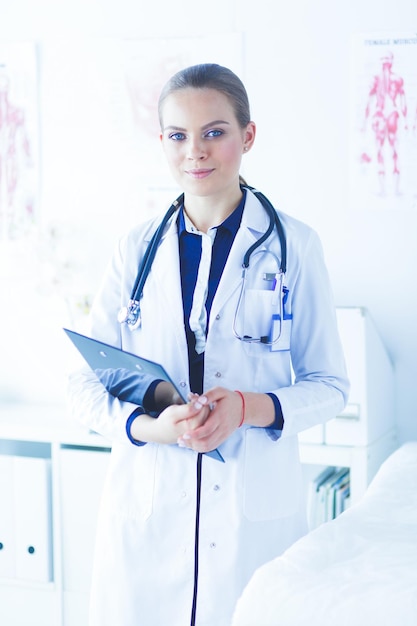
231 223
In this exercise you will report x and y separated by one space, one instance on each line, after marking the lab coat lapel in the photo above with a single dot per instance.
254 223
166 272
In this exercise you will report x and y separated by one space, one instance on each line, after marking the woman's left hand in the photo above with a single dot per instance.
224 418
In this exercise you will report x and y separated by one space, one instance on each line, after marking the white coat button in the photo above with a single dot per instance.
217 316
218 374
216 487
183 494
212 545
183 383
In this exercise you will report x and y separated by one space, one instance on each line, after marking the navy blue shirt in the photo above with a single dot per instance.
190 255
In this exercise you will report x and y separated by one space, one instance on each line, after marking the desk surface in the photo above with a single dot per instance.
46 423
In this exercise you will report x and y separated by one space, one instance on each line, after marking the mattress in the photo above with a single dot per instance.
358 570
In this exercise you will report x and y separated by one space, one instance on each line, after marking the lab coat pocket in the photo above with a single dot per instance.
144 476
131 486
257 313
271 489
261 321
281 333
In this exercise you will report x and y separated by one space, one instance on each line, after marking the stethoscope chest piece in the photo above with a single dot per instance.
130 315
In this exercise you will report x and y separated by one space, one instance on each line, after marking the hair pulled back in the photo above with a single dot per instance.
210 76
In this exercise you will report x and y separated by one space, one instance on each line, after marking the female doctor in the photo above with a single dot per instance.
180 532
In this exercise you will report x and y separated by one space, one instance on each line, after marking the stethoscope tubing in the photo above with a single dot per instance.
150 252
274 221
132 311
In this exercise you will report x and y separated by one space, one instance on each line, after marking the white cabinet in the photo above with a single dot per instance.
31 479
29 604
82 472
7 538
25 518
364 434
363 461
369 414
51 478
28 594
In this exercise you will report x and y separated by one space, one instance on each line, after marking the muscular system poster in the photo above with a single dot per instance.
383 155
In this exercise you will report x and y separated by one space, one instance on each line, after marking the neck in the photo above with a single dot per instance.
208 211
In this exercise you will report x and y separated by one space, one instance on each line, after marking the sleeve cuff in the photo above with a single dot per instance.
139 411
149 397
278 423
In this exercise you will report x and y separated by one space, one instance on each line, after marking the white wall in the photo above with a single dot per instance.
296 68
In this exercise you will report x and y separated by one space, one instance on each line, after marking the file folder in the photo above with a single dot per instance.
33 517
7 533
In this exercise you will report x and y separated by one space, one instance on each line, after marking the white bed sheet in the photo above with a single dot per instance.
358 570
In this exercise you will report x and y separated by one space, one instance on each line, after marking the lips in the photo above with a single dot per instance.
199 173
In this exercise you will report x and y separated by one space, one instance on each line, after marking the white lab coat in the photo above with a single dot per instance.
251 506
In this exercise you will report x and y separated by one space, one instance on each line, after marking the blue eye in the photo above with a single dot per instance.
177 136
214 133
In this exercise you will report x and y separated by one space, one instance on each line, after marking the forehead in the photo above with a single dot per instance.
192 106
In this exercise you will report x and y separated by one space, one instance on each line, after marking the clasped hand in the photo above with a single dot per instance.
202 424
218 414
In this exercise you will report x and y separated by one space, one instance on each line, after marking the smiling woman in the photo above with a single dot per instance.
180 532
203 144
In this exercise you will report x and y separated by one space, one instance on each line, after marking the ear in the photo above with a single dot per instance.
249 135
162 142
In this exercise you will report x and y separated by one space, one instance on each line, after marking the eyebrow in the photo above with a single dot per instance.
205 127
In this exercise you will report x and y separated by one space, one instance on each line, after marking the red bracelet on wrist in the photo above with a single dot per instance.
243 407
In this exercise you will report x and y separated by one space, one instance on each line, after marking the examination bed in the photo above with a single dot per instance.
358 570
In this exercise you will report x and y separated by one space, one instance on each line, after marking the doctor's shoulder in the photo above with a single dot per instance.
300 236
138 237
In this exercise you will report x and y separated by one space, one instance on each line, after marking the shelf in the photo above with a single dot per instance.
363 461
45 423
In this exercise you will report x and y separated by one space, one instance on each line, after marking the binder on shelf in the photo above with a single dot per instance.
33 515
7 534
314 511
336 483
342 497
328 495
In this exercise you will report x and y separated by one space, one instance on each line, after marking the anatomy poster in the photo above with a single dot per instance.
384 122
149 63
18 139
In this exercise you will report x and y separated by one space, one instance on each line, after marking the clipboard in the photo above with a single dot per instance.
114 367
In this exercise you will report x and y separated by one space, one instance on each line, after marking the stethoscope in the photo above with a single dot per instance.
130 314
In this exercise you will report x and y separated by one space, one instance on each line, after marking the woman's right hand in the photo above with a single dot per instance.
172 422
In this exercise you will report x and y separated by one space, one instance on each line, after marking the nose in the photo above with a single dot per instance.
196 150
